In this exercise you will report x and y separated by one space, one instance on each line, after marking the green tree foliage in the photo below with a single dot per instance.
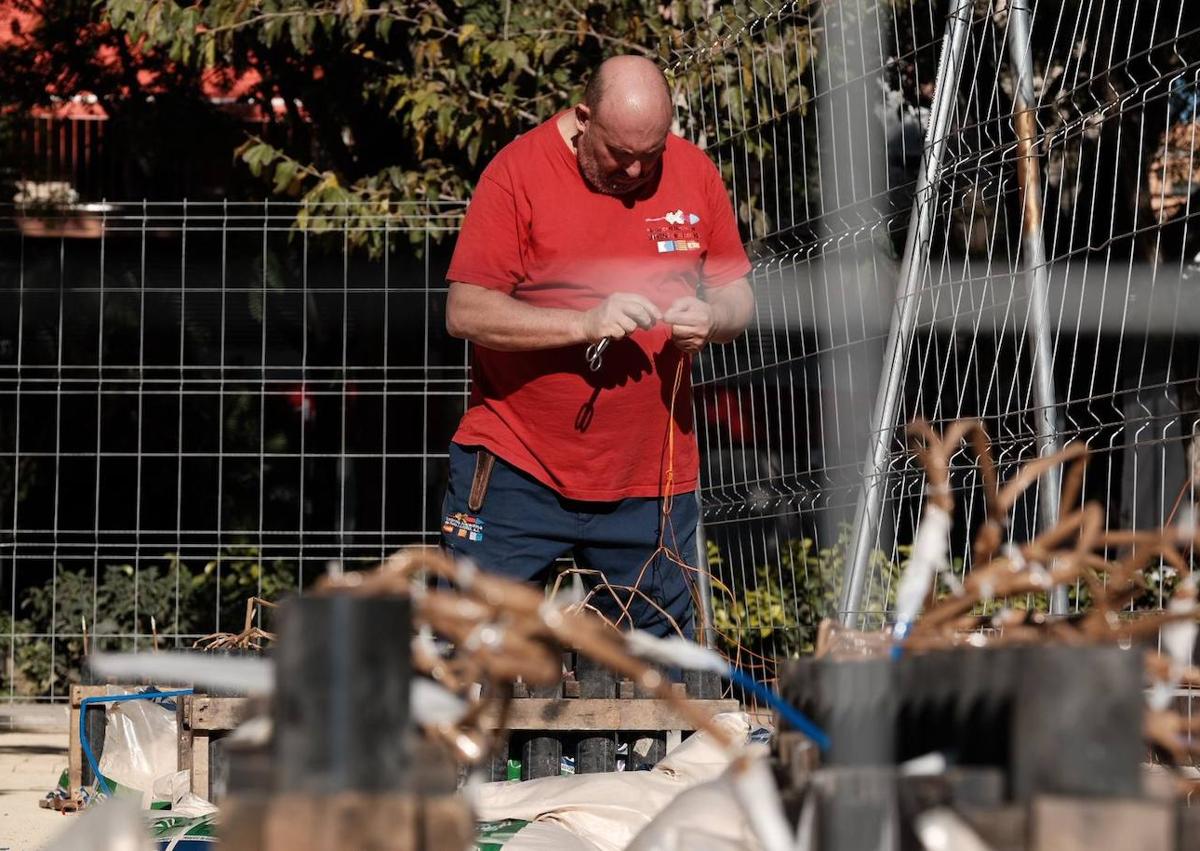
407 101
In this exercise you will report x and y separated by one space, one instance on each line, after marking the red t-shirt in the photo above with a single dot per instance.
535 230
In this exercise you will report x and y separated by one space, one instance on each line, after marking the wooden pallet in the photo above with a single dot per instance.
586 713
78 772
201 722
565 717
581 715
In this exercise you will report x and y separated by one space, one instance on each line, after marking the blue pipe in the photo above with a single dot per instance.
791 714
899 633
115 698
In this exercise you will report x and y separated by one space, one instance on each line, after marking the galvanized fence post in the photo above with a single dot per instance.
1033 248
904 316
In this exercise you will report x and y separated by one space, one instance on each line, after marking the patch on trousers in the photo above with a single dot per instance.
462 525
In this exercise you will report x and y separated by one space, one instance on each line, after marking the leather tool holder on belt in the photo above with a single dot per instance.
484 462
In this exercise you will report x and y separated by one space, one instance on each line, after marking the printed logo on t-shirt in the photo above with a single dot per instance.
462 525
676 233
677 217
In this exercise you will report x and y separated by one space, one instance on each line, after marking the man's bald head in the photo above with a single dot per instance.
629 83
623 123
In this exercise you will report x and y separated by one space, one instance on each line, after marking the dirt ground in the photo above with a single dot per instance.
33 752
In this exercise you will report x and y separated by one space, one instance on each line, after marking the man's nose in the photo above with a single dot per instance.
633 170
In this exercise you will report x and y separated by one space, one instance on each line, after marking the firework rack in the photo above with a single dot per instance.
588 714
1043 749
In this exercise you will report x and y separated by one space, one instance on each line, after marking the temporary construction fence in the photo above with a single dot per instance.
200 402
989 200
1043 287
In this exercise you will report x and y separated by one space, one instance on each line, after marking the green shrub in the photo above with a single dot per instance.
778 616
118 602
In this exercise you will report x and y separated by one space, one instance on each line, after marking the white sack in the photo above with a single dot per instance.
174 791
705 816
606 811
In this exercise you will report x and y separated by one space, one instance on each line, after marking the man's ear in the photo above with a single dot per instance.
583 115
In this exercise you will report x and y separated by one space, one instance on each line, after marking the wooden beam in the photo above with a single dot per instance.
74 747
580 714
217 713
199 777
1101 824
78 692
183 732
75 757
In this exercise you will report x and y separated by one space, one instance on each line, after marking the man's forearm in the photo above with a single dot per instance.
733 308
499 321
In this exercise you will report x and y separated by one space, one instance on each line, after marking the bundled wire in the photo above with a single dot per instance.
499 629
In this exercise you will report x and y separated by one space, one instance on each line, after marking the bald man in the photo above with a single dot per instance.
597 227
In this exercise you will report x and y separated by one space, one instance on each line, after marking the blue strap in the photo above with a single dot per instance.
791 714
115 698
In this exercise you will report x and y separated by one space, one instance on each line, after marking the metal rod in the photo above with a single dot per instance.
706 634
904 314
1033 250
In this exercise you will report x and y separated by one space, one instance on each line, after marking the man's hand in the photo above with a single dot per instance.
618 316
692 323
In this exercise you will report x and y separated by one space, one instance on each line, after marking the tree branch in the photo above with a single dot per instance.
494 101
408 19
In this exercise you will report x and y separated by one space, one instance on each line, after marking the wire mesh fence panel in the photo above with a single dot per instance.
1049 260
199 404
202 402
1084 192
815 113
